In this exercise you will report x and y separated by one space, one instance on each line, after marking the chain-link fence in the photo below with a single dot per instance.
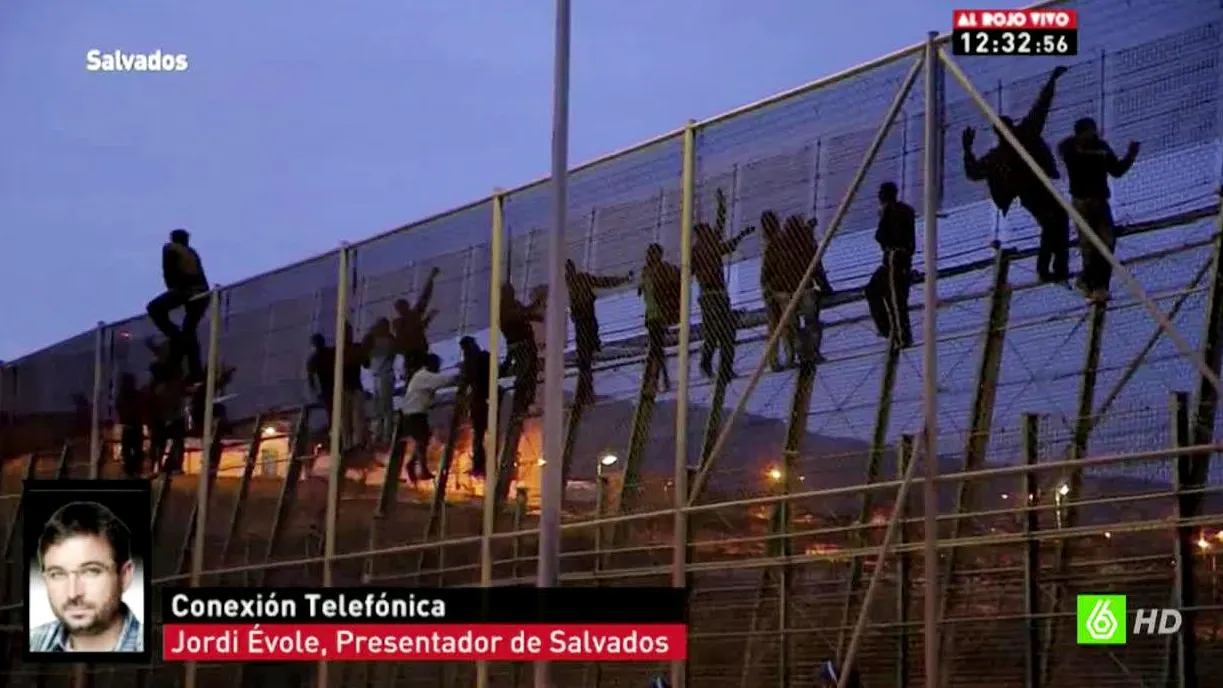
1070 433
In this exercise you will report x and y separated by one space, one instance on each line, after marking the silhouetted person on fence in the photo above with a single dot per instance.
719 323
582 294
1009 177
417 402
411 326
1089 163
353 407
522 353
787 254
887 293
774 268
320 373
167 416
130 407
186 286
379 348
196 398
473 381
659 288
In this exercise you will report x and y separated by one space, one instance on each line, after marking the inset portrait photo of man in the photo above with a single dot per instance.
88 579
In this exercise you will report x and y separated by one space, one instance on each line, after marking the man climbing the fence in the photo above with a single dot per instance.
787 253
719 323
379 348
411 326
417 402
800 234
887 293
186 286
777 254
320 372
522 352
659 288
130 408
473 385
1009 177
583 287
1090 161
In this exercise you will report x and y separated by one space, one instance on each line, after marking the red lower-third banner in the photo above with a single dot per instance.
424 642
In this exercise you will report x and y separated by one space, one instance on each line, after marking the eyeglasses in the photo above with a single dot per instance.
85 573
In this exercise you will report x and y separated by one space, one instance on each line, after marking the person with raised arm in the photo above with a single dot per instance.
1009 177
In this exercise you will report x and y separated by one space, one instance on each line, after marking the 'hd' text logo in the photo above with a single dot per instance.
1102 620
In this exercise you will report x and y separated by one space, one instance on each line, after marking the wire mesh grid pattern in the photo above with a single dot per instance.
832 448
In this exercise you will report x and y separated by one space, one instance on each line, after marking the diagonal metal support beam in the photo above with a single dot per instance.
1085 230
787 315
883 414
894 523
982 419
1136 363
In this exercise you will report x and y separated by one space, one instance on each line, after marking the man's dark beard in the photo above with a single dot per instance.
103 619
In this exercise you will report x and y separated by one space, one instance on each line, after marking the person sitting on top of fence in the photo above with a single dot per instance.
887 293
719 323
1089 163
1008 177
183 274
659 287
582 288
411 326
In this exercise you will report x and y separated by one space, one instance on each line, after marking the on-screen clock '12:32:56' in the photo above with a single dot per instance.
1038 42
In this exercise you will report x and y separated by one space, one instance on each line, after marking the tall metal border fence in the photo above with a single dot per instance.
1075 441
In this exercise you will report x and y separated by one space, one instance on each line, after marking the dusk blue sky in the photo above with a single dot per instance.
300 124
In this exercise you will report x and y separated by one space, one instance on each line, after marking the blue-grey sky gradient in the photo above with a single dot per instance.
300 124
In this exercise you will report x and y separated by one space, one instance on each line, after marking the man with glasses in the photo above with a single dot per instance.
85 559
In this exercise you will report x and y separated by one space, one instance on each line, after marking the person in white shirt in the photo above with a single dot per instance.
418 400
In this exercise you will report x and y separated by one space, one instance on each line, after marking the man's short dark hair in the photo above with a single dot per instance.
86 518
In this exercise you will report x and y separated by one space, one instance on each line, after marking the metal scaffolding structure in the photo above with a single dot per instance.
1076 458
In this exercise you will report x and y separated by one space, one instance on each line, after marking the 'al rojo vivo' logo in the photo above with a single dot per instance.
1101 619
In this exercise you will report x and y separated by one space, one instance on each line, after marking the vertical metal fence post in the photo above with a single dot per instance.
930 360
679 557
494 412
201 512
95 403
552 490
339 419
